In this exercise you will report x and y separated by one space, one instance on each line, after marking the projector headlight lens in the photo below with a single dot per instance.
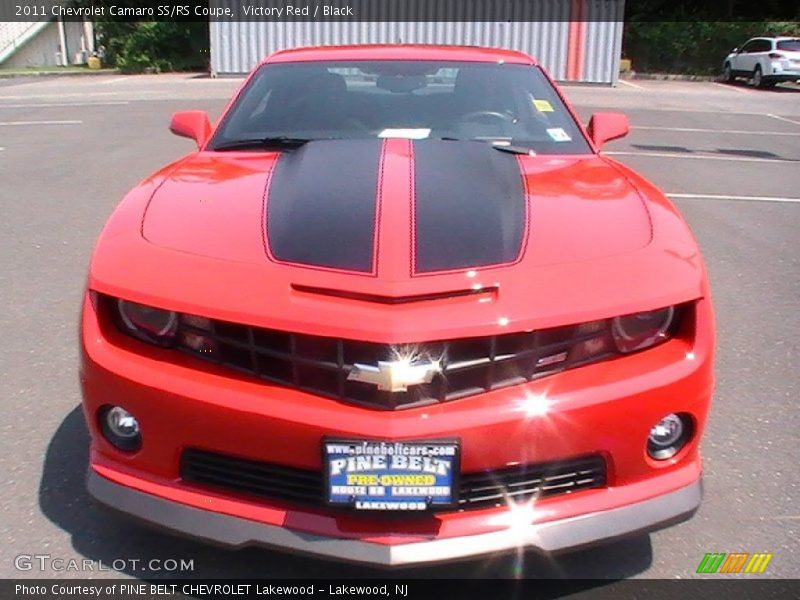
149 324
642 330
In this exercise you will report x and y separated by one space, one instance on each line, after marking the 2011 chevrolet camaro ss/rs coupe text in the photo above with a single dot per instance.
396 309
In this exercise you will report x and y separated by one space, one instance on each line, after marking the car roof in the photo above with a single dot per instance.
400 52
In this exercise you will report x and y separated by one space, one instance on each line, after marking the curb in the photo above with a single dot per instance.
86 73
670 77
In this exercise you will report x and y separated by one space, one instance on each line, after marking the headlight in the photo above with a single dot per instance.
149 324
642 330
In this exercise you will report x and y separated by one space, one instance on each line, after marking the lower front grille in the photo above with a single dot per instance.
476 490
518 483
252 477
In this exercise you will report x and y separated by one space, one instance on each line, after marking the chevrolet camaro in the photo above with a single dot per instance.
397 308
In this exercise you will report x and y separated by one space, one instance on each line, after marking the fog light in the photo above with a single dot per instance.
668 436
120 428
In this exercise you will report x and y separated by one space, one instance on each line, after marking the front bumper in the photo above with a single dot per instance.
602 409
550 536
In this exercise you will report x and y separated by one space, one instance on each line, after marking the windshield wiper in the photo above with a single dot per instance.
267 143
514 149
503 147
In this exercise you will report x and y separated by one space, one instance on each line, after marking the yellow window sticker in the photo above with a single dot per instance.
542 105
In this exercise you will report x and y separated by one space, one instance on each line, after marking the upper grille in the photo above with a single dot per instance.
320 365
476 490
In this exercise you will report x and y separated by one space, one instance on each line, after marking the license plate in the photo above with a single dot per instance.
404 476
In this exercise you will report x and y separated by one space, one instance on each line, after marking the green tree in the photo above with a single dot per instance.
161 46
134 47
693 47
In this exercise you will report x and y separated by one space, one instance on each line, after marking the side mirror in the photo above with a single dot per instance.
735 51
607 126
192 124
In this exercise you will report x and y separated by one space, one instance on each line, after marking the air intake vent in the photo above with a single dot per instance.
477 490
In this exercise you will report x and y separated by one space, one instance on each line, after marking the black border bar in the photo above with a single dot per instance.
400 587
400 10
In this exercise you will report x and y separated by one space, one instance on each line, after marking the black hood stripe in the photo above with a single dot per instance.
322 205
470 206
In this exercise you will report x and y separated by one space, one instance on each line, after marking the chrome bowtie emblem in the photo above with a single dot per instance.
396 375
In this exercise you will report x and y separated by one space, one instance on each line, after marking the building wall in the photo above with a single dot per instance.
571 50
41 49
602 41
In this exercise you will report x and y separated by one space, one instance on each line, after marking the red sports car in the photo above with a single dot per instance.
395 309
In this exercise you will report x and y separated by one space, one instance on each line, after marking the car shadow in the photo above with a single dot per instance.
115 543
786 88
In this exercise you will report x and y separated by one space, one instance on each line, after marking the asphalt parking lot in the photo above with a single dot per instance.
729 156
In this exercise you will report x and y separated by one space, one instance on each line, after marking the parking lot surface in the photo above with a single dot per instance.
729 156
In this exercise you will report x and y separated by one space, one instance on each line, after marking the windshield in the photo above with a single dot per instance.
501 103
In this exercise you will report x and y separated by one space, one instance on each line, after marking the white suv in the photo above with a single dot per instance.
764 60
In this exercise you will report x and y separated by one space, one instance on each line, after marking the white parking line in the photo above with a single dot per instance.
12 123
98 95
56 96
783 118
729 86
705 157
699 130
694 110
114 80
64 104
726 197
631 84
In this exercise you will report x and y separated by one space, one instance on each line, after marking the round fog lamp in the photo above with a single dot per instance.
120 428
122 423
668 436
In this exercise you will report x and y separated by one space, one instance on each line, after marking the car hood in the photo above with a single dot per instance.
451 240
396 210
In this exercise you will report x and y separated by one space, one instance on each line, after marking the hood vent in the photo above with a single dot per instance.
490 291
